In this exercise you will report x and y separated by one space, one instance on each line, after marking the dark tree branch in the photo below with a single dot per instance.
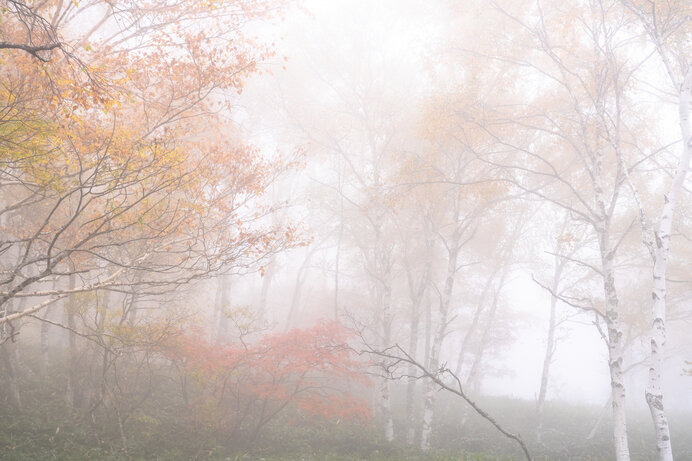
32 50
396 355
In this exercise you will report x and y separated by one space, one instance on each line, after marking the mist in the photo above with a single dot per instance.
335 230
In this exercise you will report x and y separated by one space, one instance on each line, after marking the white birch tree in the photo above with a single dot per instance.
664 25
563 145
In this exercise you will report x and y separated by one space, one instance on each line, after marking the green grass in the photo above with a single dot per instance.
157 432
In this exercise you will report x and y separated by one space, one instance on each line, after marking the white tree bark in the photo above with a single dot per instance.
463 349
388 421
385 388
440 332
416 293
659 246
615 358
661 250
549 347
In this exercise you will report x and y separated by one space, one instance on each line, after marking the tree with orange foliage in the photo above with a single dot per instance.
121 175
120 166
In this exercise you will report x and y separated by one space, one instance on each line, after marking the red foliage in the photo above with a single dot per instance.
238 388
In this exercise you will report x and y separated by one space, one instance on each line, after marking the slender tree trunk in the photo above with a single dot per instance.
411 384
549 348
463 349
9 360
386 408
474 377
92 391
601 415
223 305
385 389
121 431
297 289
72 359
266 283
417 294
217 304
131 304
427 349
337 262
44 338
440 332
428 329
44 345
502 268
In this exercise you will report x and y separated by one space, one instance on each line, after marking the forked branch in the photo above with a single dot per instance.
396 355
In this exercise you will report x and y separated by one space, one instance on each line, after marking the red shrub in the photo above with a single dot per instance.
236 389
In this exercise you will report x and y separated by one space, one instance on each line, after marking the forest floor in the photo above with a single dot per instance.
50 433
49 429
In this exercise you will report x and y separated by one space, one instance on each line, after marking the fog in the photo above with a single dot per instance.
337 229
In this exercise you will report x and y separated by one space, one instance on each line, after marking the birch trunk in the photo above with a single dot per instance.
474 323
337 261
436 347
428 329
222 308
301 276
417 294
654 392
615 356
615 335
386 406
411 384
427 346
474 377
72 359
549 348
385 388
502 268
